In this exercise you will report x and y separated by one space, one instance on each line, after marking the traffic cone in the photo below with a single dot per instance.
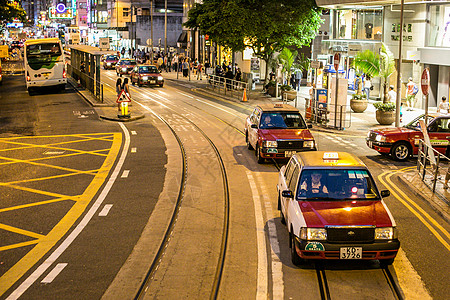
244 96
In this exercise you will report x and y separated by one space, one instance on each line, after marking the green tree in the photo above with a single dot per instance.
9 11
266 26
287 59
374 65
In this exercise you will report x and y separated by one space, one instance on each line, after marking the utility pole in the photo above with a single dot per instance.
151 30
117 23
165 27
399 70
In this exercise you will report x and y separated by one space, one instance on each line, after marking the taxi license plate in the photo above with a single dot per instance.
152 81
289 153
350 253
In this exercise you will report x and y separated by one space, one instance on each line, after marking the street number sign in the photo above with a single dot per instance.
337 58
425 81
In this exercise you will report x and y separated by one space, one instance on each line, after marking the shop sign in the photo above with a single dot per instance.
407 32
60 12
425 81
315 64
104 43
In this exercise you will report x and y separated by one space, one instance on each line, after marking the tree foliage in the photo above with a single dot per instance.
9 12
266 26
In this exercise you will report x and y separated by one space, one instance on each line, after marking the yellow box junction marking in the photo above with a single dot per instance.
421 214
44 243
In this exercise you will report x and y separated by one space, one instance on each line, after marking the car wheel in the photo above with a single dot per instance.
120 74
132 82
295 258
386 262
401 151
249 146
139 84
161 85
260 159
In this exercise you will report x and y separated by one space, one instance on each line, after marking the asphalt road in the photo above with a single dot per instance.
100 259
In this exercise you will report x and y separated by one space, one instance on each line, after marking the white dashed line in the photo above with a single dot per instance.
133 150
53 273
125 173
105 210
133 132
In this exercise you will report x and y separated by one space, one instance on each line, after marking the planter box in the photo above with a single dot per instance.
359 106
385 117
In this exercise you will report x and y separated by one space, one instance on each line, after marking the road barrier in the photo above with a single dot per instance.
328 115
228 86
430 172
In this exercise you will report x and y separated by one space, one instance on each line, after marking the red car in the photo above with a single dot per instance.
146 74
402 142
277 131
125 66
110 61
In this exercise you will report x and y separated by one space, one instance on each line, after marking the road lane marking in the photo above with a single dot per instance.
53 273
125 174
414 206
133 132
105 210
133 150
64 225
262 280
277 266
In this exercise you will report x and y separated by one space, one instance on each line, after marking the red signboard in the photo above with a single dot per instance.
425 81
337 58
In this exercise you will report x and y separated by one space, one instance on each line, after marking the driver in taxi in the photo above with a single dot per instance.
316 184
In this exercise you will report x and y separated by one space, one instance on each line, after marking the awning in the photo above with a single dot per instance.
182 38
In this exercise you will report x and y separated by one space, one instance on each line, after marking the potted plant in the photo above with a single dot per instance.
271 88
382 65
359 102
385 113
287 92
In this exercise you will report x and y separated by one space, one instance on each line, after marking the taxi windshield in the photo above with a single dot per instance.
414 124
282 120
335 184
148 69
111 57
128 62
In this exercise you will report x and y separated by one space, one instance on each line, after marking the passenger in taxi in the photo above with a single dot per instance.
314 186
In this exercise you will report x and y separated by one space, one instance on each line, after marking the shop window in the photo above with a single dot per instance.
364 24
439 26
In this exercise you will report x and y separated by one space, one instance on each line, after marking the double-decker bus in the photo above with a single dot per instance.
44 63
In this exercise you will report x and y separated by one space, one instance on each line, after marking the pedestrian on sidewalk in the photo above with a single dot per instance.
298 78
411 91
126 88
185 66
447 178
392 95
367 86
444 106
118 90
293 82
199 70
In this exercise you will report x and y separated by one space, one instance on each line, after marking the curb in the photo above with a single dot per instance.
117 119
436 201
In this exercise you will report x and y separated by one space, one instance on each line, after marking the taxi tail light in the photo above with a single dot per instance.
64 72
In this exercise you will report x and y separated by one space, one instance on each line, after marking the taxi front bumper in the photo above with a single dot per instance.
277 153
370 251
379 146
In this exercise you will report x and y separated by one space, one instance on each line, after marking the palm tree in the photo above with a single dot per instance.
374 65
287 59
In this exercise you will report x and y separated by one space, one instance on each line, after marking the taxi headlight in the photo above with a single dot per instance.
308 144
270 144
124 69
316 234
368 133
144 77
160 78
380 138
385 233
109 64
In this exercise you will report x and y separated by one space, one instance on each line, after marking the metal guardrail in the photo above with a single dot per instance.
433 172
328 115
227 86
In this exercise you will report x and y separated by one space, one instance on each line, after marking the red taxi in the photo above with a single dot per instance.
277 131
125 66
146 74
333 209
110 61
402 142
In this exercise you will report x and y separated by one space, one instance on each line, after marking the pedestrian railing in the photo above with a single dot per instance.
89 83
328 115
227 86
432 170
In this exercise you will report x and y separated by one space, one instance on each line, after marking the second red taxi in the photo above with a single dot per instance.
146 75
125 66
333 209
277 131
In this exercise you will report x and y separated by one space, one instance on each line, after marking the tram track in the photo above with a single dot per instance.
226 218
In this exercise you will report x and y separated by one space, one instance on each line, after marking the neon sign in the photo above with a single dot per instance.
60 12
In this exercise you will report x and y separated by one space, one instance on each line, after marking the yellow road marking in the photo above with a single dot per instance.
17 207
57 156
35 191
46 243
19 245
44 165
89 172
21 231
419 209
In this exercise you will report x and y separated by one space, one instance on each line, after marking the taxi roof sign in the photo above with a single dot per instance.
330 155
278 105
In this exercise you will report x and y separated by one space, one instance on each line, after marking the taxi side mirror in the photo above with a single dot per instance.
309 126
287 194
385 193
254 126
